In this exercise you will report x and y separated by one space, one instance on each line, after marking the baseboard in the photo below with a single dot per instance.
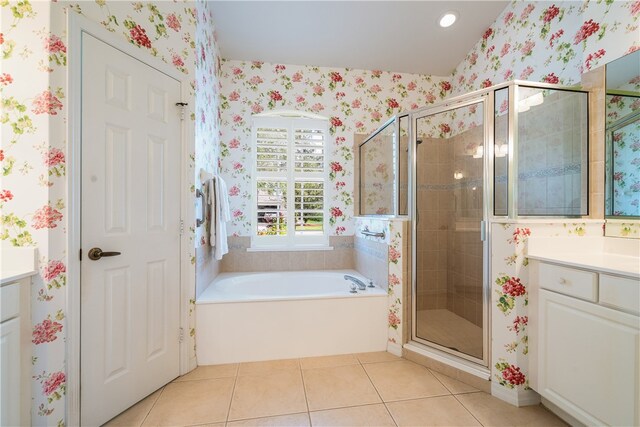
518 398
395 349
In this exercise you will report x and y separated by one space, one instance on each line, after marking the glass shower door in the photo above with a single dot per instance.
449 311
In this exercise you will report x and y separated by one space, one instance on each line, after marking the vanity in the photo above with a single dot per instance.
584 297
584 292
18 266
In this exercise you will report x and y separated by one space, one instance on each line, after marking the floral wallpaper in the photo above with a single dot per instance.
354 101
207 133
550 42
510 298
398 265
33 152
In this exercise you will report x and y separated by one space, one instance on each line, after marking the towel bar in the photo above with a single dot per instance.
365 232
200 193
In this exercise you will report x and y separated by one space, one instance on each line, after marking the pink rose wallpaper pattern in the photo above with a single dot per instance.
354 101
550 42
33 151
537 41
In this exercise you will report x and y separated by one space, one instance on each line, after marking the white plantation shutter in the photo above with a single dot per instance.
309 207
309 150
289 181
272 146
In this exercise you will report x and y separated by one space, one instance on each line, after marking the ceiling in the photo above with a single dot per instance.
402 36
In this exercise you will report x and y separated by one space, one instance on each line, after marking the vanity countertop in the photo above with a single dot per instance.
17 263
602 254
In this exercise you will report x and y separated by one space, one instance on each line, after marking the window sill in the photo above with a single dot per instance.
289 248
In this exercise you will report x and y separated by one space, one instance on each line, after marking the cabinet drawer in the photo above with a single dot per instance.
620 292
569 281
9 301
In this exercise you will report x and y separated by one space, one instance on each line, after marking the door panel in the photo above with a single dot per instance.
130 204
449 272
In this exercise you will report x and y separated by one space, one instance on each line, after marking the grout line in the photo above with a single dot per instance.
304 390
380 396
261 417
233 391
438 379
468 410
154 405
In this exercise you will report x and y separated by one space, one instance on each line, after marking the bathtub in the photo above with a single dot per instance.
242 317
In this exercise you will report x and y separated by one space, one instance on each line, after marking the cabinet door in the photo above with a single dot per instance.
10 372
588 360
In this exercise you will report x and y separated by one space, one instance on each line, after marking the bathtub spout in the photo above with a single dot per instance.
357 281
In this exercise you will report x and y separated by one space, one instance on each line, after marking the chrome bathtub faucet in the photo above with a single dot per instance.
357 281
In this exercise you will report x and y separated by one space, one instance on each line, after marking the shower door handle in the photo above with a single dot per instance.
483 230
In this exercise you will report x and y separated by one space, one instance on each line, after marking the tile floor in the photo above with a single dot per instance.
370 389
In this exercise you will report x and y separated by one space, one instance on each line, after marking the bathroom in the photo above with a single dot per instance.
379 203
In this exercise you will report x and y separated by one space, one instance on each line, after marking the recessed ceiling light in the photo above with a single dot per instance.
448 19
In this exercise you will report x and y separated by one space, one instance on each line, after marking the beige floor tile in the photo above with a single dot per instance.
453 385
328 361
338 387
491 411
135 415
210 371
403 380
377 356
432 411
267 367
369 415
278 393
192 402
293 420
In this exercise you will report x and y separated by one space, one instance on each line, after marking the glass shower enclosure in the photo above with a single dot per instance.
507 152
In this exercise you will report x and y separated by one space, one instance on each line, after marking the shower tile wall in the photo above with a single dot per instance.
435 209
550 155
464 290
449 212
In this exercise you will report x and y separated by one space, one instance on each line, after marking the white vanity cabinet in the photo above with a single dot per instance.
18 265
586 341
10 355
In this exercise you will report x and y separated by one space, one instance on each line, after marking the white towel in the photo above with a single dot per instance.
222 215
211 201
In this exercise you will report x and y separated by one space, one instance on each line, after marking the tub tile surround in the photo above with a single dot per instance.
343 390
386 260
240 260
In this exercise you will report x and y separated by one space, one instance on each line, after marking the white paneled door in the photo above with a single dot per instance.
130 274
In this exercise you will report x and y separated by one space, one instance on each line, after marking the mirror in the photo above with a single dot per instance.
622 137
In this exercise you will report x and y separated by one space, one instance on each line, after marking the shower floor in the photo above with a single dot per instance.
447 329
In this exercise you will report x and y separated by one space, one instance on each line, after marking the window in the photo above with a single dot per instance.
289 182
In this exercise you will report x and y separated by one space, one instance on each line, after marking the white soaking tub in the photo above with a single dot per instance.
243 317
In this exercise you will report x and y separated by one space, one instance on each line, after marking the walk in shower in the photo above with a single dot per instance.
510 151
